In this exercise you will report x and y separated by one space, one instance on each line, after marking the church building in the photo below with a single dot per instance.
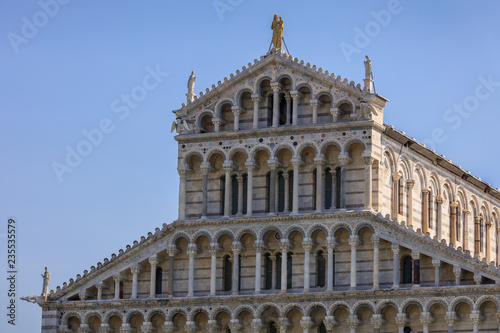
300 210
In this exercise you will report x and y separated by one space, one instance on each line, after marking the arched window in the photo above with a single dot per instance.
222 193
159 277
268 272
321 268
228 273
407 269
271 327
281 192
328 189
234 195
289 275
321 328
206 123
338 188
283 109
278 271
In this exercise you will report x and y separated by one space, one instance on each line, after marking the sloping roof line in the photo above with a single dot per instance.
441 160
265 59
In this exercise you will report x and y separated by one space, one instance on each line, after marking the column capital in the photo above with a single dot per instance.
214 248
117 278
276 86
135 269
439 199
410 184
415 255
306 322
172 250
236 109
395 248
453 204
192 249
426 191
368 160
401 319
182 172
315 103
256 97
236 247
296 162
251 165
330 322
426 318
353 321
475 316
307 244
450 317
395 176
259 245
376 240
295 94
436 263
257 324
284 244
377 321
330 242
319 161
477 278
344 159
153 260
466 212
354 241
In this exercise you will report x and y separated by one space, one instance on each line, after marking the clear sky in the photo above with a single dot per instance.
66 71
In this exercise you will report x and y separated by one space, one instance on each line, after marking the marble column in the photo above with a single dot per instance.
170 286
204 201
477 235
214 248
416 268
227 188
284 245
436 263
487 241
376 322
409 187
477 278
353 242
335 114
99 287
236 267
450 318
135 271
475 317
286 178
240 195
117 280
401 321
216 122
368 181
296 97
319 183
376 261
272 186
258 265
250 167
236 112
330 244
333 172
276 103
395 250
425 320
182 194
425 212
273 274
395 197
343 160
353 322
295 204
307 245
191 252
153 261
439 226
315 105
306 323
458 274
288 100
465 230
256 100
453 222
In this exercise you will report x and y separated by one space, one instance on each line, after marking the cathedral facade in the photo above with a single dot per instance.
299 211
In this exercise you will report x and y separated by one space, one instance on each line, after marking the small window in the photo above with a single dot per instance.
234 195
278 271
159 278
290 191
321 265
328 189
222 194
407 269
339 186
228 273
268 271
289 271
268 192
281 192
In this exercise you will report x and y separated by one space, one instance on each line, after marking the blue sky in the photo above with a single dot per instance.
69 74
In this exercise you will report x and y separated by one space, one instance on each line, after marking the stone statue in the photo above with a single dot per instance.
46 280
277 27
32 299
191 82
368 68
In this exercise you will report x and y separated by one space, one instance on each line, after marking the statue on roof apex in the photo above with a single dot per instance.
277 27
192 80
368 68
46 280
